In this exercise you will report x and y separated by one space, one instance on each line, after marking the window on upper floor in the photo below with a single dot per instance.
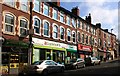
79 37
68 35
24 5
93 41
82 38
37 5
55 14
62 31
10 2
74 36
74 23
104 35
86 27
37 26
90 40
82 25
46 10
61 17
78 23
23 27
55 31
46 28
99 42
9 23
68 20
86 39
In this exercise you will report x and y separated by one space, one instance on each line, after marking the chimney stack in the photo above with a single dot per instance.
76 11
56 2
98 25
88 18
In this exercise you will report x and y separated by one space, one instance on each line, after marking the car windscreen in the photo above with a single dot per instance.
37 62
73 60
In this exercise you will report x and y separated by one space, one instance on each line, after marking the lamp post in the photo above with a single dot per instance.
30 36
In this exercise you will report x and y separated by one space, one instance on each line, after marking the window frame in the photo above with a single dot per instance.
55 13
38 5
48 10
24 19
68 22
62 15
48 28
79 37
68 35
61 27
73 37
10 3
55 31
35 17
25 3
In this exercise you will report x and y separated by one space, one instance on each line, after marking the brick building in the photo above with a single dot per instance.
59 34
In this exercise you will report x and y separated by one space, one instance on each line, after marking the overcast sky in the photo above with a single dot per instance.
102 11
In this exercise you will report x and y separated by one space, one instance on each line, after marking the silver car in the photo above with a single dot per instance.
44 67
75 63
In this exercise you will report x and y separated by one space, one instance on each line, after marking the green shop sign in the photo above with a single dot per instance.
13 43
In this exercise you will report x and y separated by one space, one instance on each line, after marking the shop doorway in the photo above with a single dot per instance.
48 56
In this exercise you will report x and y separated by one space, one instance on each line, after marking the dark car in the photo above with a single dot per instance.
92 61
75 63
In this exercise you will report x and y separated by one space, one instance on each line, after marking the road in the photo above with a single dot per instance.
107 68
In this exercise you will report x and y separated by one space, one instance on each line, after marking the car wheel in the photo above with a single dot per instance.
84 66
62 69
76 66
45 73
99 63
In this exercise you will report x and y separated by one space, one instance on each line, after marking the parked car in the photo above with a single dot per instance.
92 61
43 67
75 63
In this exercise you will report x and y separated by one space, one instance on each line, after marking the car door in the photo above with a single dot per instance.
55 66
81 62
49 66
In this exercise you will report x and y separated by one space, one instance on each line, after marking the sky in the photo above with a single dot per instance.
102 11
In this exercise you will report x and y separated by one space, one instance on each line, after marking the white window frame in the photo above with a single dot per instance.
24 19
49 28
74 37
54 24
68 22
24 3
44 5
55 13
11 3
74 22
62 15
39 25
78 23
4 28
78 36
38 5
63 33
67 35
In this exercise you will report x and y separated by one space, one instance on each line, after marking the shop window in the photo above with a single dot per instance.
24 5
62 33
46 28
5 58
9 23
37 5
36 25
23 27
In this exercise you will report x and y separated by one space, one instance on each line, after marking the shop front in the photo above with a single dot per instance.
14 53
71 52
45 49
84 51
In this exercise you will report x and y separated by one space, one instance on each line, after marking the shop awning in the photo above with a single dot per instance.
71 50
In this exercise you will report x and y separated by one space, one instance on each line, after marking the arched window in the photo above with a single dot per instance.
62 31
68 34
82 38
9 23
23 27
36 25
79 38
46 28
74 36
55 32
